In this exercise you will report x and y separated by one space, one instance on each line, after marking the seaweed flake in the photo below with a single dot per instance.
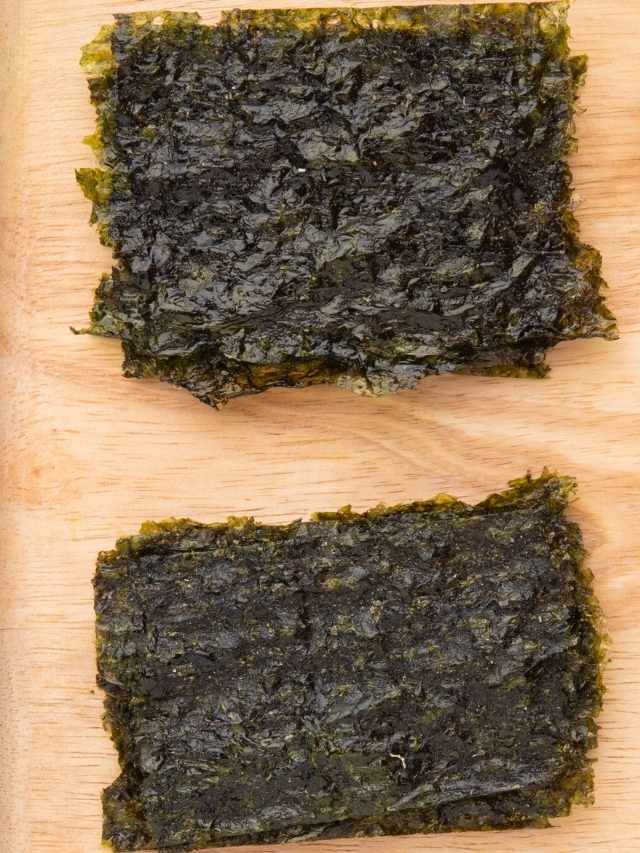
423 668
358 196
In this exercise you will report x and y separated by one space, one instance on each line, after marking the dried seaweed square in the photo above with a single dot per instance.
363 197
424 668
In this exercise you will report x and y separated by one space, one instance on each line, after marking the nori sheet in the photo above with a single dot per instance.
428 667
360 196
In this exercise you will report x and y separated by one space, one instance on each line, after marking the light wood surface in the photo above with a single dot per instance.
86 455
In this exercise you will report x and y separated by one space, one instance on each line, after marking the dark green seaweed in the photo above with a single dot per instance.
359 196
423 668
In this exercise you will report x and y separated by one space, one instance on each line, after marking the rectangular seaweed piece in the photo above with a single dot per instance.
428 667
359 196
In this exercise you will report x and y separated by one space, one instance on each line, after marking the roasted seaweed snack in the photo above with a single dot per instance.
424 668
359 196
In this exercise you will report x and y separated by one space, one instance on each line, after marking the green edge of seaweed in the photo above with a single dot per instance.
559 490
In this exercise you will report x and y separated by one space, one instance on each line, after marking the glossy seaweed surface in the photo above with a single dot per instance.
422 668
355 196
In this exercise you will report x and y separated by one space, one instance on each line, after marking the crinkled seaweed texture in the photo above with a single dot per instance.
356 196
423 668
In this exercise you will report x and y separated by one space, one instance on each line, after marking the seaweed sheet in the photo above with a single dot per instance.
355 196
427 667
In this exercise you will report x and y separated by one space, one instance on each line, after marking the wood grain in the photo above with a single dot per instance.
86 455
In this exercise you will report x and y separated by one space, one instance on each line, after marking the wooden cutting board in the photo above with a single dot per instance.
86 455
